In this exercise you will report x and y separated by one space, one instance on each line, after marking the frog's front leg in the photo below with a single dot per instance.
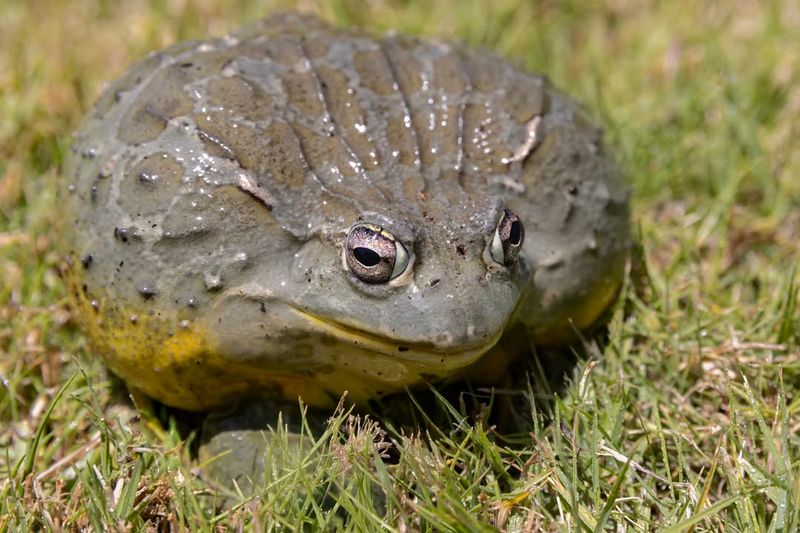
245 448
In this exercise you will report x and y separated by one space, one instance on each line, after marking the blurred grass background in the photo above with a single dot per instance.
688 420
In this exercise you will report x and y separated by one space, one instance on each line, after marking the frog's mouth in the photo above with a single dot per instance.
449 357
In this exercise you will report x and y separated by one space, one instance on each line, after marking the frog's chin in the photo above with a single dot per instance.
445 356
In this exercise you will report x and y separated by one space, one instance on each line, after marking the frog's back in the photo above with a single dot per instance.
321 120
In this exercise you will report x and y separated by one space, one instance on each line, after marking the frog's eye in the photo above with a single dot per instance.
508 238
373 254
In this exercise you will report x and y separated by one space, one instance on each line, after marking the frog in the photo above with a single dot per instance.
298 211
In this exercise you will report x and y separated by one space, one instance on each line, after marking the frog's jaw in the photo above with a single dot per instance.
320 359
367 366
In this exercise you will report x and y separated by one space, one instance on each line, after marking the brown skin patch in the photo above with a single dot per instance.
303 92
347 115
150 183
371 69
239 97
164 98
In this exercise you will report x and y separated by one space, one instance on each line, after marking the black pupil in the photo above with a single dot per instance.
514 233
366 257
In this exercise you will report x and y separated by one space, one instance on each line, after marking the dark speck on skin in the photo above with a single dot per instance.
147 291
121 234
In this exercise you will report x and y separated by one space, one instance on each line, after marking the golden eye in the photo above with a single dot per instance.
508 238
373 254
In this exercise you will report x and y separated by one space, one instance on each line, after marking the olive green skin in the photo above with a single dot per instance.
212 187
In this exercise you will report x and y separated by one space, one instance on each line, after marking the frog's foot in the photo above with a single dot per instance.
242 450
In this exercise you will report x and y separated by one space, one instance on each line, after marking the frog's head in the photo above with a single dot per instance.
433 287
447 281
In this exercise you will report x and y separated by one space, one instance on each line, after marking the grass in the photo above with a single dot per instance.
687 422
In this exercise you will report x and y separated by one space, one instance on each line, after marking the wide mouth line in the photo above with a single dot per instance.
411 352
398 349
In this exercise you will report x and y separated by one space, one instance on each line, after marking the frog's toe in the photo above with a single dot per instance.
243 449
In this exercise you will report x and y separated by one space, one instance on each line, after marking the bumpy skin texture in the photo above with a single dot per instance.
211 189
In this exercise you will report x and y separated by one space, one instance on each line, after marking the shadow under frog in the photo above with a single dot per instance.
233 444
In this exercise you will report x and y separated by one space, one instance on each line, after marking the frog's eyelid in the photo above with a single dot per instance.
510 227
401 259
496 247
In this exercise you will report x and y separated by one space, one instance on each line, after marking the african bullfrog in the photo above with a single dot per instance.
296 210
